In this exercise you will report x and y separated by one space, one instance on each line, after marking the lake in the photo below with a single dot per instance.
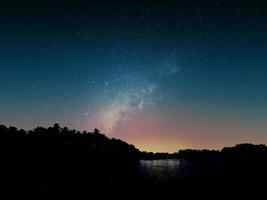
160 169
173 175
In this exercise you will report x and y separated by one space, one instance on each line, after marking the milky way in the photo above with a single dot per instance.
162 75
136 94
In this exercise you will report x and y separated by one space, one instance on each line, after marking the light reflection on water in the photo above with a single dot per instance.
174 176
178 170
168 164
159 169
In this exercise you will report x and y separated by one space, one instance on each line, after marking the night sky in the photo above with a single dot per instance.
162 75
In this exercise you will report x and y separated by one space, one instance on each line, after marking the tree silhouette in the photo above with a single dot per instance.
61 143
61 160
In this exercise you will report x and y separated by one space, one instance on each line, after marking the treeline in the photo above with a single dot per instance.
60 143
238 152
156 156
192 154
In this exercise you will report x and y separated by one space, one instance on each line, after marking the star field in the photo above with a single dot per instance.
159 74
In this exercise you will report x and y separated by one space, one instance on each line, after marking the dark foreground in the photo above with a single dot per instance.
57 163
77 180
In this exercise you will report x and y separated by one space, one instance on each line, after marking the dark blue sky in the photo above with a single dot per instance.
158 74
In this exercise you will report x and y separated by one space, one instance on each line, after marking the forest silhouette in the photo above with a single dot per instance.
61 144
60 163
